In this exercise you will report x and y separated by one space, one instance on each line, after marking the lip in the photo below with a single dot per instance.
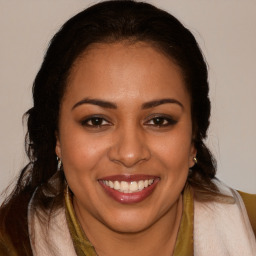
129 198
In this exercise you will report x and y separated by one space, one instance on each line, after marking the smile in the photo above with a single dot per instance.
128 187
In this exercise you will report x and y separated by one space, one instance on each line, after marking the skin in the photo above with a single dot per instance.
129 140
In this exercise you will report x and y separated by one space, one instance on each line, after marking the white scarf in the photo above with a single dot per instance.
219 230
223 229
50 239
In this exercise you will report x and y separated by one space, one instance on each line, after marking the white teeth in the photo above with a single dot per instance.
128 187
141 184
124 186
111 184
133 186
117 185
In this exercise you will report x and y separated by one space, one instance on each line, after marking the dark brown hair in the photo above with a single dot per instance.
106 22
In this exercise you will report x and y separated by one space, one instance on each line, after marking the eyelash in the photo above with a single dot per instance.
164 120
95 118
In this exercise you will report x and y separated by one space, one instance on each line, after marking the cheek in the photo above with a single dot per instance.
174 151
81 153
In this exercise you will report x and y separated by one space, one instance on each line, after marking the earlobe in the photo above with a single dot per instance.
192 158
58 147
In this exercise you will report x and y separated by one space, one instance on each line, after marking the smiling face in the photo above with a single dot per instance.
125 136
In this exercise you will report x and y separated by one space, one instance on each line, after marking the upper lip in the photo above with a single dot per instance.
129 177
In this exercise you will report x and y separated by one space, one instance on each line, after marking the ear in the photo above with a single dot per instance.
58 147
193 153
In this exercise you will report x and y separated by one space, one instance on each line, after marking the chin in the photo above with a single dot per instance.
130 221
131 227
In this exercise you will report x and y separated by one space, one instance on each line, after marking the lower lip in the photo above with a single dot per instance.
130 198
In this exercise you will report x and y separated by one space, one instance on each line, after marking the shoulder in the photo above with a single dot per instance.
250 205
244 201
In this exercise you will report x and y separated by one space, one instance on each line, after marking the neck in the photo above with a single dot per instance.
158 239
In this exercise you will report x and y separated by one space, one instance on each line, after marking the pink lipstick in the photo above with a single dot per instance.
129 189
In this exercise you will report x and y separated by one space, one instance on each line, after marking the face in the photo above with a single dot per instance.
125 135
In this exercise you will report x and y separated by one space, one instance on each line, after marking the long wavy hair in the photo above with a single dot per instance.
106 22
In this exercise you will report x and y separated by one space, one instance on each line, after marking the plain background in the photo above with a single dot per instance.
226 33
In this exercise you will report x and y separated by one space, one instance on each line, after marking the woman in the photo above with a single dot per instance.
118 164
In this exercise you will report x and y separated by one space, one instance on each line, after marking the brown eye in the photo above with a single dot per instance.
161 121
95 122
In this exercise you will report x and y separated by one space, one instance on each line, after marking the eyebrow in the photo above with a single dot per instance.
98 102
110 105
155 103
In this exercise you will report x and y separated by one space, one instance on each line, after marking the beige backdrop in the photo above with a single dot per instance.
226 33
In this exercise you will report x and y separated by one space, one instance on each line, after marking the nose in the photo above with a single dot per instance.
129 148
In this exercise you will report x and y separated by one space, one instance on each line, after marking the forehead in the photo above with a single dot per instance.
128 69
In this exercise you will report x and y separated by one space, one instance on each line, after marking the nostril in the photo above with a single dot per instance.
129 158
